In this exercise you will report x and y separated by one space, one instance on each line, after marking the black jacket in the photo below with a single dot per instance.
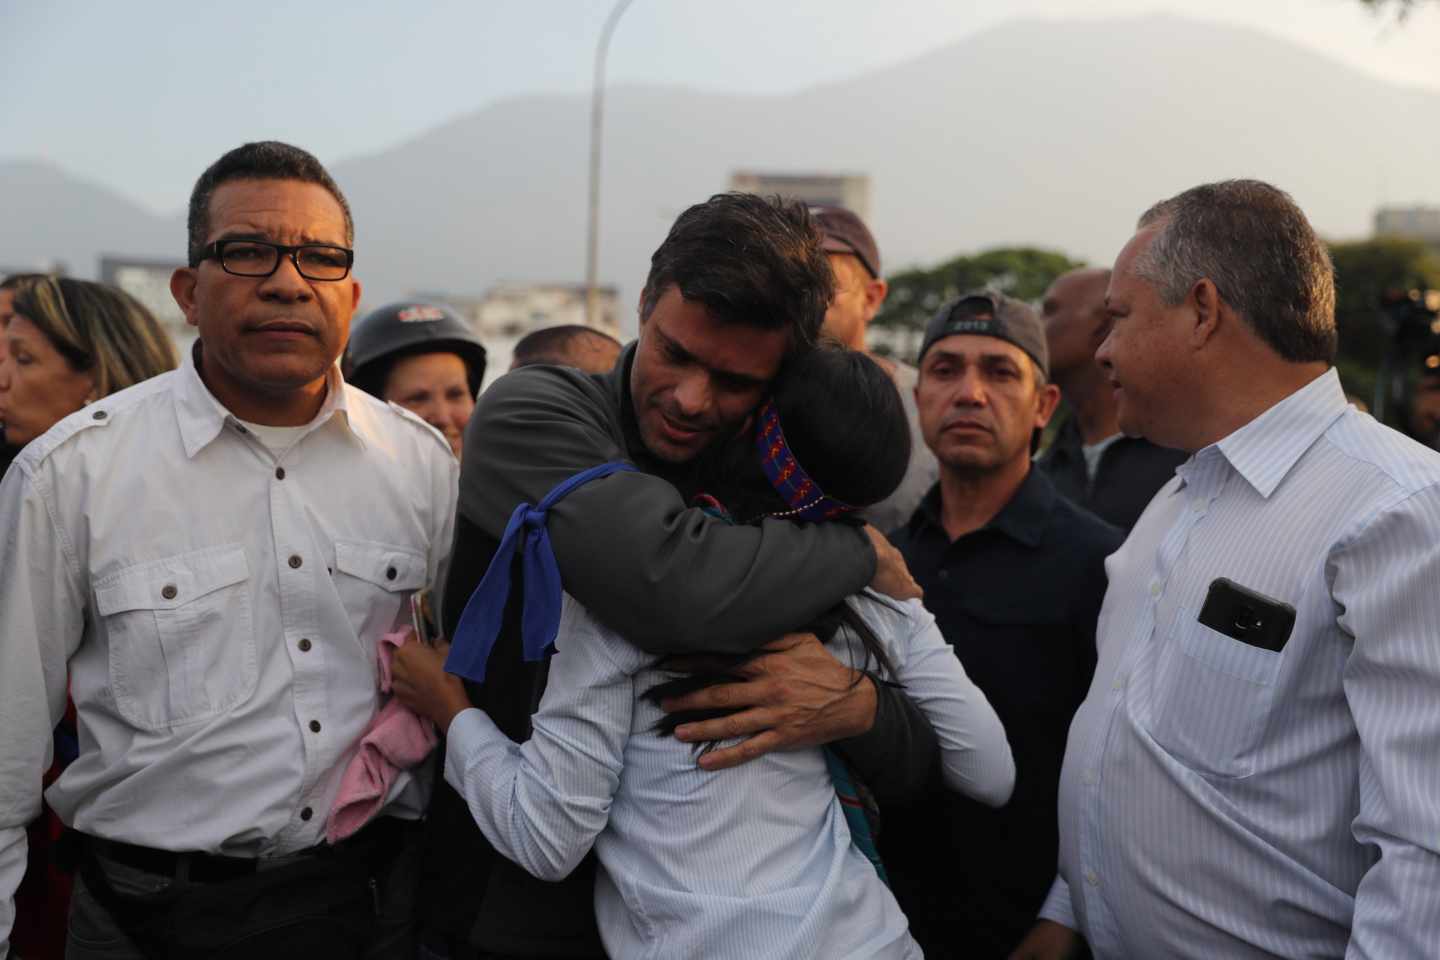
1131 471
1018 599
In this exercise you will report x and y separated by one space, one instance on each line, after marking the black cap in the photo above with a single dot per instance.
403 329
986 313
841 231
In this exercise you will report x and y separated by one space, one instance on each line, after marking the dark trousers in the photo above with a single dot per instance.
357 901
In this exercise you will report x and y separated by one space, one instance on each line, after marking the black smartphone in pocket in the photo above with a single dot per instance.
1247 616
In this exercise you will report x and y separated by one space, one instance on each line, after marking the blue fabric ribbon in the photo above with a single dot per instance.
853 806
479 625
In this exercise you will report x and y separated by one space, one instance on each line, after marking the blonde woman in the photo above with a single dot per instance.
66 343
69 343
7 449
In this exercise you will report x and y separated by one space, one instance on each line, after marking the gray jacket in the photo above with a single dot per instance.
665 575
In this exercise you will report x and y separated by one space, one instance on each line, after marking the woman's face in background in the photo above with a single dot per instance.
38 387
436 386
5 299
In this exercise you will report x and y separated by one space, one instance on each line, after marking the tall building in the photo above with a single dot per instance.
851 191
149 282
1410 223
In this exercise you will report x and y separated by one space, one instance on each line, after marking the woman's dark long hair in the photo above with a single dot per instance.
844 422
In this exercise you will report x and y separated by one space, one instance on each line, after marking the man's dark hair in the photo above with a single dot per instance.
843 420
1251 241
552 345
748 259
845 423
262 160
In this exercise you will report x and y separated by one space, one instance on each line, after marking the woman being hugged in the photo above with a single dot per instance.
757 861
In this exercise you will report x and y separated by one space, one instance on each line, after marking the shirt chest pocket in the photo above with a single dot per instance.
1212 698
372 580
181 641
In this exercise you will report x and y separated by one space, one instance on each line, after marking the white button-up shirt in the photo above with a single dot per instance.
1223 800
217 610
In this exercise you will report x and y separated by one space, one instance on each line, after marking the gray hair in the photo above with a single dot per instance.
1251 241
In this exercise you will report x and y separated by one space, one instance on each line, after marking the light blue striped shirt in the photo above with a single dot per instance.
1223 800
749 863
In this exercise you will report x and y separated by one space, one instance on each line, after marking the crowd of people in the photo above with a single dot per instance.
738 640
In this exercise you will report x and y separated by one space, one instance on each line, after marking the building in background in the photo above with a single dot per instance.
507 312
1409 223
149 282
851 191
899 342
53 267
513 310
501 316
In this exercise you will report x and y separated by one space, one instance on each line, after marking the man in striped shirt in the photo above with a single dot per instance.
1254 771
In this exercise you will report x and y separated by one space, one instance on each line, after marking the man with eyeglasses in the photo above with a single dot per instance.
214 557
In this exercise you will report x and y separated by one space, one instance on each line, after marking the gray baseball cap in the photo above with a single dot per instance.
841 231
987 313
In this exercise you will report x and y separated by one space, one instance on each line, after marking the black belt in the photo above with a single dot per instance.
380 835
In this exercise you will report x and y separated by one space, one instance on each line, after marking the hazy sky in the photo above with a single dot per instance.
141 96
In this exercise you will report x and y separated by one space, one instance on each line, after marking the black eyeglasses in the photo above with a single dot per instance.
259 258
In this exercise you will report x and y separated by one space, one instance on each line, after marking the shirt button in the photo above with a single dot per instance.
944 574
241 428
279 473
304 644
314 726
306 814
99 415
1089 779
1090 877
1155 589
1119 683
295 561
168 591
391 573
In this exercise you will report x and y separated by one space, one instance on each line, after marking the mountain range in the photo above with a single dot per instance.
1047 133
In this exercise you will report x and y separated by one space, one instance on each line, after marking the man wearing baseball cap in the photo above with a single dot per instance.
1014 574
859 292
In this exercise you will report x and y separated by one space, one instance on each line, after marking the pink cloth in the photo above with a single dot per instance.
397 738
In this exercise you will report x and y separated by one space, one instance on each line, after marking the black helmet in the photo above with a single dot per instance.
404 329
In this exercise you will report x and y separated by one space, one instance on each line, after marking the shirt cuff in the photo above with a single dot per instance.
471 735
1057 907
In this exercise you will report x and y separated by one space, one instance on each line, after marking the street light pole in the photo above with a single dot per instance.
597 113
